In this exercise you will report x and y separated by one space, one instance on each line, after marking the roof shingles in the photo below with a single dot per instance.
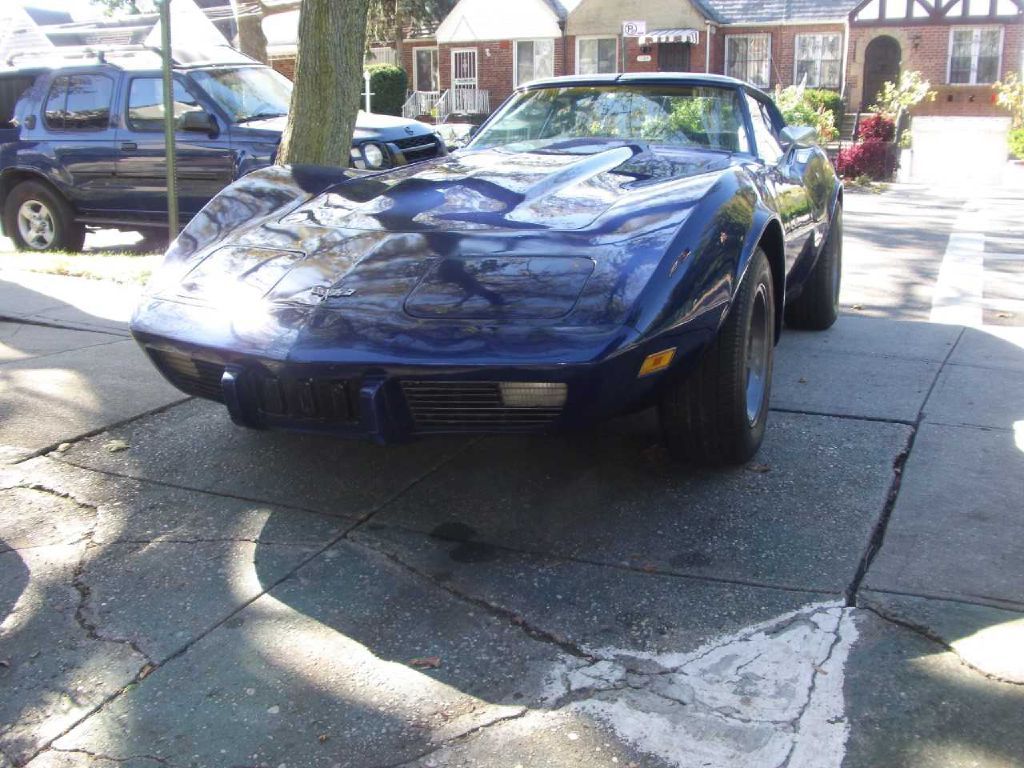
774 11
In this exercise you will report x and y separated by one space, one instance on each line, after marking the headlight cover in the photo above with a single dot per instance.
373 155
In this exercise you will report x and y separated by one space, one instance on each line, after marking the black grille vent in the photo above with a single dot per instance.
321 399
191 375
417 148
471 406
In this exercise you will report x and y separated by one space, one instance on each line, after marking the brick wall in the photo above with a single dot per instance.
783 47
285 65
925 49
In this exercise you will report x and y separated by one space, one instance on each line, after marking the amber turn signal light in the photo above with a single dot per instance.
659 361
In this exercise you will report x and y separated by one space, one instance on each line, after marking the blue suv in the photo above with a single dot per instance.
84 145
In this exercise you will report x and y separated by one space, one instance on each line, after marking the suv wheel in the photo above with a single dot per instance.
38 219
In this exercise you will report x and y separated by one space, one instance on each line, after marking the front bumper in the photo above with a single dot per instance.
395 403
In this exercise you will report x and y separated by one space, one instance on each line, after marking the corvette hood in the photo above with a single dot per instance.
561 187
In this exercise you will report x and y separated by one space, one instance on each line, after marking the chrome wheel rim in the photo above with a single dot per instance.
758 351
35 225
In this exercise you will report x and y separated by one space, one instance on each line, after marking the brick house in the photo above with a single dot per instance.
485 48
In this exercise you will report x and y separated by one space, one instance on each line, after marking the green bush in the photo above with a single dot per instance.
830 100
1017 143
798 109
388 83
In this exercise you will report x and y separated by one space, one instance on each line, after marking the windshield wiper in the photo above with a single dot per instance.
261 116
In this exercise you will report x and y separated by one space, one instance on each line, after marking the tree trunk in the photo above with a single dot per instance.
328 81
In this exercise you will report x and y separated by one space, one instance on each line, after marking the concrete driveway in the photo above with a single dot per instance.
178 591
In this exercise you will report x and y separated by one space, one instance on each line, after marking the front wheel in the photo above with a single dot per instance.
717 416
38 219
817 306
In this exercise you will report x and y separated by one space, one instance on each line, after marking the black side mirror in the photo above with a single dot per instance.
198 121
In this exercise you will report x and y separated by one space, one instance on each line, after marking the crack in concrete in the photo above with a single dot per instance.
150 666
111 758
498 611
461 738
933 637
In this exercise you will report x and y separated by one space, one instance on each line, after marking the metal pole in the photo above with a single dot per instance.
169 120
366 80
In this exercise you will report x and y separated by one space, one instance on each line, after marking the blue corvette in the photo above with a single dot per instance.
604 244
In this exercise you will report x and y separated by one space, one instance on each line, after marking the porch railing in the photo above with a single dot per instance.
420 103
463 101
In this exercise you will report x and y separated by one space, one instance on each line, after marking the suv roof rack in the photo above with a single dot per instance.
100 53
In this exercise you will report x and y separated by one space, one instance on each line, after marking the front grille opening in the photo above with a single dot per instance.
484 405
320 399
418 148
191 375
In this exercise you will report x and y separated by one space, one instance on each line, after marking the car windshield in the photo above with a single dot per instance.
247 93
674 115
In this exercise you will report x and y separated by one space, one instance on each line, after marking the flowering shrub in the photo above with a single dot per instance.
876 128
905 94
874 159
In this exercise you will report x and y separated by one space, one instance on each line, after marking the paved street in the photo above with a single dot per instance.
175 590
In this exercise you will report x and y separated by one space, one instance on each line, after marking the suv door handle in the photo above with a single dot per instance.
129 146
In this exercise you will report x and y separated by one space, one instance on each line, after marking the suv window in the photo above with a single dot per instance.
79 103
146 103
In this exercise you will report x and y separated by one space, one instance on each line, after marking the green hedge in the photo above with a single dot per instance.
388 83
1017 143
830 100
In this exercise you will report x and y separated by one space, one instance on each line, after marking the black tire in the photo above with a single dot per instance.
51 227
817 306
707 419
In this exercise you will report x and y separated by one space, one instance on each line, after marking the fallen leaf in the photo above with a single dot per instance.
427 662
6 663
648 568
801 380
322 738
63 447
144 672
114 446
759 468
858 306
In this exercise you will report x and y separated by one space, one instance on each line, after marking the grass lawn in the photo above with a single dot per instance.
102 265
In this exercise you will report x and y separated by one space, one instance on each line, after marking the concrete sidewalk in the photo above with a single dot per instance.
175 590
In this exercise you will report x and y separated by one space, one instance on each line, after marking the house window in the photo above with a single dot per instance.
534 59
597 55
819 59
748 57
424 73
974 55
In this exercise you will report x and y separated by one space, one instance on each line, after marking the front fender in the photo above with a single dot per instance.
694 285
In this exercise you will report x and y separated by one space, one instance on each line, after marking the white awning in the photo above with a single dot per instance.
691 36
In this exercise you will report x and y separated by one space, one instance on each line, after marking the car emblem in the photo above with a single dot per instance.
324 292
410 130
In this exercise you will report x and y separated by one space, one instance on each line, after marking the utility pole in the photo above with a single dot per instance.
169 126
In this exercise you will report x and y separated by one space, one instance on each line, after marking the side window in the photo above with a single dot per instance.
56 103
146 103
768 147
88 105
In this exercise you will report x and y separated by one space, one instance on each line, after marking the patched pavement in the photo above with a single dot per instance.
175 590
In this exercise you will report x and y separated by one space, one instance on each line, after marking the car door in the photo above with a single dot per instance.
205 161
77 129
785 181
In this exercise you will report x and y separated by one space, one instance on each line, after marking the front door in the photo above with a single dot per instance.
881 65
673 57
464 80
205 163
